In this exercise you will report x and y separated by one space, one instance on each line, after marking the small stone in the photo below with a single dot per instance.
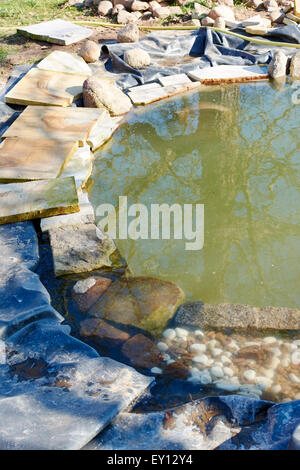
105 8
293 377
138 5
263 382
156 370
90 51
220 23
201 359
225 360
103 93
153 5
200 10
176 370
181 333
199 333
205 378
269 340
250 375
276 388
216 352
277 66
142 352
169 334
295 358
162 12
222 11
275 363
292 347
207 21
228 371
129 33
103 333
117 9
217 371
198 347
162 346
227 385
270 4
137 58
297 341
295 65
83 286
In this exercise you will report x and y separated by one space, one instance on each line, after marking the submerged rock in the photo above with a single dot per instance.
144 302
137 58
90 51
85 300
197 314
278 65
103 93
103 333
142 352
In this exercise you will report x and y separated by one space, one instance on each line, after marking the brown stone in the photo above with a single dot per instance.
103 333
176 370
86 300
253 352
142 352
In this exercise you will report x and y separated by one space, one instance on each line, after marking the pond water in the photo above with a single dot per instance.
235 149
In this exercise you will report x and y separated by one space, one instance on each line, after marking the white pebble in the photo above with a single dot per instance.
169 334
81 287
297 342
275 362
181 333
285 362
194 371
295 358
228 371
294 378
217 371
227 385
227 353
205 378
198 347
251 343
269 340
297 397
201 359
156 370
212 343
276 351
216 352
292 347
195 379
170 361
250 375
276 388
263 382
166 357
269 373
225 360
162 346
199 333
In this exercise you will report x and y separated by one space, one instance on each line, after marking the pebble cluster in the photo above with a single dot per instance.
265 367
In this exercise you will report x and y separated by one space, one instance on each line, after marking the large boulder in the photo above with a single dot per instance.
103 93
124 17
222 11
137 58
295 65
278 65
90 51
145 302
130 33
105 8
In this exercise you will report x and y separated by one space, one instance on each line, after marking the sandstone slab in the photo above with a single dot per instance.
56 393
228 74
31 159
42 87
35 199
56 31
79 248
177 79
66 62
143 97
143 302
51 122
84 216
79 165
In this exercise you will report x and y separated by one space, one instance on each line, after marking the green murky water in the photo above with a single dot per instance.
237 151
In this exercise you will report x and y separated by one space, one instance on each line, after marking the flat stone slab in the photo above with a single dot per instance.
143 97
228 74
56 393
42 87
24 299
84 216
66 62
103 131
80 166
19 245
33 159
35 199
177 79
197 314
147 86
79 248
51 122
56 32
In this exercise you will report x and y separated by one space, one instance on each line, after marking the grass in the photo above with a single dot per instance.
21 12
